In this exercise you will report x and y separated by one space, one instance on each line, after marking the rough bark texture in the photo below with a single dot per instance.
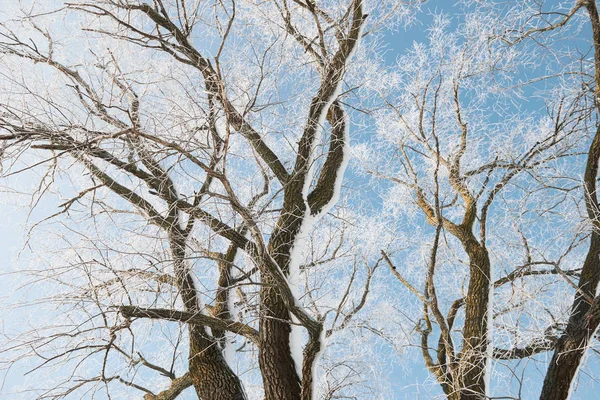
275 353
475 333
178 385
311 351
280 379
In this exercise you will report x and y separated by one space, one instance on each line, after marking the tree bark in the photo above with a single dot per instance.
178 385
474 354
211 376
277 365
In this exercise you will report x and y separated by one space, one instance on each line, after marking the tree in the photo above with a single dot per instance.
488 174
200 145
197 149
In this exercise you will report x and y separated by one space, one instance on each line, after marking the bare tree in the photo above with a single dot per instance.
207 139
459 153
198 150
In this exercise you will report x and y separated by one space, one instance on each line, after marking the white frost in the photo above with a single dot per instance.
585 353
490 333
310 219
323 340
294 280
229 350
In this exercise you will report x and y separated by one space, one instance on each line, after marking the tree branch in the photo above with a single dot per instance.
191 318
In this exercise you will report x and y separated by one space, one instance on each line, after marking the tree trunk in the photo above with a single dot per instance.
278 368
474 354
211 376
280 379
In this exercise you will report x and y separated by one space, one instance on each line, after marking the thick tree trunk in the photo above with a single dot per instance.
280 379
277 365
474 354
280 376
212 378
278 368
566 360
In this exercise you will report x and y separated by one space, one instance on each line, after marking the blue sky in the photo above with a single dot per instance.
406 381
